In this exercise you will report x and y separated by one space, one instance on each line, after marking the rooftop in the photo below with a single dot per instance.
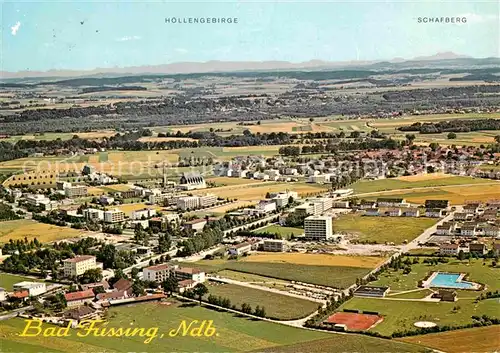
84 294
80 258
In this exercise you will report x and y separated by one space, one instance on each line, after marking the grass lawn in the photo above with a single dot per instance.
249 277
7 280
315 259
235 334
21 228
362 187
382 229
477 273
280 307
477 339
401 315
283 232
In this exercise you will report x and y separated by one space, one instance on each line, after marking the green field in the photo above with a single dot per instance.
332 276
484 274
280 307
234 334
283 232
419 294
382 229
400 315
362 187
7 280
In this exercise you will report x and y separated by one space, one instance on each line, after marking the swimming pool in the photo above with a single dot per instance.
451 280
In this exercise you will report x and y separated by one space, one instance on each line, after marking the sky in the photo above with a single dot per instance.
84 35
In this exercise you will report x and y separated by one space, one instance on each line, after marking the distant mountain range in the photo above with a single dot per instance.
445 59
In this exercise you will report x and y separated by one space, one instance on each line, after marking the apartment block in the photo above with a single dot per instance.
79 264
114 216
318 227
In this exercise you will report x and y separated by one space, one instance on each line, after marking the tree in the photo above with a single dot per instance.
461 255
451 136
138 288
246 308
134 272
170 284
410 138
434 146
497 138
200 290
91 276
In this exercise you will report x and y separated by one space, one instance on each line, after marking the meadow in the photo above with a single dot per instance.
277 306
382 229
234 334
7 280
477 339
283 232
19 229
420 181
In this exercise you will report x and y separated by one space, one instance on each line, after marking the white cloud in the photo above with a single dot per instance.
15 28
181 50
127 38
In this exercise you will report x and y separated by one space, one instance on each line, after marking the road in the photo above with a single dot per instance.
266 289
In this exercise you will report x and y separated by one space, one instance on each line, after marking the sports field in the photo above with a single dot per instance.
227 181
400 315
278 306
235 334
316 259
477 339
283 232
420 181
21 228
382 229
7 280
353 321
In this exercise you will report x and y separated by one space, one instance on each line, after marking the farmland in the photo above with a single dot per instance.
316 259
283 232
278 306
255 192
457 195
381 229
400 315
430 180
7 280
30 229
234 334
477 339
333 276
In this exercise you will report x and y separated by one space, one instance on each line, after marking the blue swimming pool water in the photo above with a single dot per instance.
450 280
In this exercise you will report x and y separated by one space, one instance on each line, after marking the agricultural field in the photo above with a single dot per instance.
258 191
19 229
131 207
235 334
49 136
477 272
412 182
278 306
332 276
457 195
228 181
382 229
283 232
477 339
316 259
7 280
400 315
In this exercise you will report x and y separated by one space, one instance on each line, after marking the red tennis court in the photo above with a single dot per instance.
353 321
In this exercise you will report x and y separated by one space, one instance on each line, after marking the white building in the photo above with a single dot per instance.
75 191
114 216
449 249
273 174
340 204
106 200
40 200
266 206
318 227
240 249
325 203
93 214
207 200
274 245
188 202
79 264
434 212
144 213
3 295
159 273
33 288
